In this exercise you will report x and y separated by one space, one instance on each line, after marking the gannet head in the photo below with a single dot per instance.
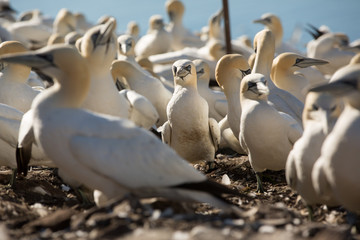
21 71
292 61
126 45
273 23
184 72
346 84
64 22
98 45
322 107
202 70
156 22
120 70
175 9
253 86
230 68
133 29
215 30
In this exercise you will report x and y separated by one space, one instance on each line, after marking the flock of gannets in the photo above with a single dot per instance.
92 102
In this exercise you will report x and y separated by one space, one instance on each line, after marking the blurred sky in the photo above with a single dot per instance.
339 15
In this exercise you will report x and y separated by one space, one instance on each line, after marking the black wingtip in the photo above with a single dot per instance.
314 32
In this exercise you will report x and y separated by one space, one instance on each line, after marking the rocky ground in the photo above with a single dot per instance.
40 206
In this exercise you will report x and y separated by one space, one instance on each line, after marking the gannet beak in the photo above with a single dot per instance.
261 21
35 60
106 32
307 62
325 118
262 88
337 88
183 71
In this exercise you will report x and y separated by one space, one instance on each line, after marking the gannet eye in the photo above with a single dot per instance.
251 84
174 70
188 68
332 109
246 72
298 60
201 71
315 107
95 36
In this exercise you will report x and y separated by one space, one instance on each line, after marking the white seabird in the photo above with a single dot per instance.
189 130
265 134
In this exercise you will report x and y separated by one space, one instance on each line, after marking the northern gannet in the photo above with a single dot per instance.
157 40
181 37
14 90
273 23
64 23
133 30
319 117
335 173
230 70
98 46
102 151
144 84
265 134
216 99
264 45
189 130
331 47
285 75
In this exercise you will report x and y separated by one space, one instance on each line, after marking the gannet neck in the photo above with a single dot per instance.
64 22
264 44
16 72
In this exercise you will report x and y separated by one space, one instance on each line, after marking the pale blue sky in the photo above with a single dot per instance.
339 15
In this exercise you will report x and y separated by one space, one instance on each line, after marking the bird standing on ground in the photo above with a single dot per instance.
265 134
336 171
320 114
189 130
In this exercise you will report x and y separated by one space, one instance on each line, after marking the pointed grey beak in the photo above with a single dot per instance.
261 21
337 88
307 62
106 32
183 71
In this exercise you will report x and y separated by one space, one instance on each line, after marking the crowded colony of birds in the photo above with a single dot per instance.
127 114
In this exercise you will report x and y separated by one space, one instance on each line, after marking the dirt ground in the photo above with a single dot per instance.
40 206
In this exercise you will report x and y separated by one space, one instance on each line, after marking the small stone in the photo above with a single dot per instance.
225 180
266 229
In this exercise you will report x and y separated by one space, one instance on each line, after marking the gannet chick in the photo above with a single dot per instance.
94 148
335 172
273 23
144 84
330 47
265 134
285 76
215 99
181 37
319 117
14 90
230 70
189 130
282 100
157 40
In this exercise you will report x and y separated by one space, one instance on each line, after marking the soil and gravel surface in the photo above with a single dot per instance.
41 206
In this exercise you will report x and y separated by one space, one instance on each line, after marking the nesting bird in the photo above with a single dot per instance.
189 130
265 134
